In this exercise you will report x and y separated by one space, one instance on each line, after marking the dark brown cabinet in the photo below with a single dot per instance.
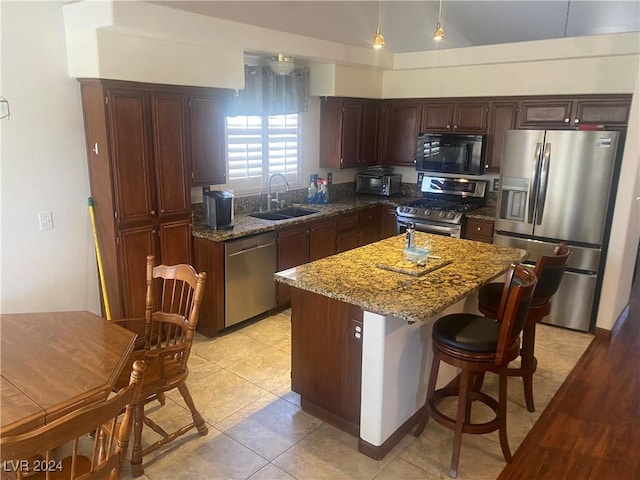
388 224
209 257
401 120
358 229
502 117
322 239
327 382
139 173
545 113
458 117
348 132
571 112
207 138
479 229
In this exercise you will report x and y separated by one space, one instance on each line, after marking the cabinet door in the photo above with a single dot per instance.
388 222
351 130
134 244
348 236
606 112
207 140
175 242
401 125
470 117
208 257
437 117
322 239
369 137
369 226
293 250
331 132
545 113
172 166
131 150
502 117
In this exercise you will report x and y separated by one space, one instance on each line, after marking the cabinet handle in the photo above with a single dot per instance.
566 120
95 148
486 165
153 212
162 210
478 228
577 120
448 126
455 126
154 232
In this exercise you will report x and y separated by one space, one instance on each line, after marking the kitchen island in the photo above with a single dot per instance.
361 329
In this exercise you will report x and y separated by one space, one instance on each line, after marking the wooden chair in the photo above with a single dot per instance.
30 455
549 270
476 345
171 316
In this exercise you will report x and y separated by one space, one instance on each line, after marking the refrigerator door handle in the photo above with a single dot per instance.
534 183
544 180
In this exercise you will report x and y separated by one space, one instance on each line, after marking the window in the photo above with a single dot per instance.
258 147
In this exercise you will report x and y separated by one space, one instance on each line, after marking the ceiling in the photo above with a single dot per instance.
408 25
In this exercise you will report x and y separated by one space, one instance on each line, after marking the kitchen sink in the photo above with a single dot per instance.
284 214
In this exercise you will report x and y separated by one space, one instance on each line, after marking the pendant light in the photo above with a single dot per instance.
438 33
378 39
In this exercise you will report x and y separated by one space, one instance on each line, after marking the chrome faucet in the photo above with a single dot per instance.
286 187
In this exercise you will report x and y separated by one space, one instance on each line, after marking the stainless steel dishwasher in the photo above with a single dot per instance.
250 264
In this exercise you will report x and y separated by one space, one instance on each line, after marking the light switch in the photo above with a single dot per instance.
46 221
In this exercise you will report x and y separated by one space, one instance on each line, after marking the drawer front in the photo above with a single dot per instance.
480 230
347 222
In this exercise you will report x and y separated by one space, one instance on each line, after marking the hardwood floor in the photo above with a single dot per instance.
591 428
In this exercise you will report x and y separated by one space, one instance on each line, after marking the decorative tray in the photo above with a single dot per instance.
411 268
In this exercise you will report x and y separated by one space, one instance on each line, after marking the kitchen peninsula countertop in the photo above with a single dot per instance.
353 277
245 225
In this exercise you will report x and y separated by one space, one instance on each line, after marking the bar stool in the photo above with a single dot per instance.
549 269
476 345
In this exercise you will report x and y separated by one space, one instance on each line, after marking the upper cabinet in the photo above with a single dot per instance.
571 112
457 117
400 126
348 132
502 117
207 137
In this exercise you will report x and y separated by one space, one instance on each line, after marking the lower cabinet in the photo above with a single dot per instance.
388 222
358 229
480 230
326 358
302 244
208 256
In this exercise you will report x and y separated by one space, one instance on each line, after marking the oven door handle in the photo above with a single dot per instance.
430 227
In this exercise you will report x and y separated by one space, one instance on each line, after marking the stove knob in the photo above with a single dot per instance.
427 212
414 210
450 215
441 214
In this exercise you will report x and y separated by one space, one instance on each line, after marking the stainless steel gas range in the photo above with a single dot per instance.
444 202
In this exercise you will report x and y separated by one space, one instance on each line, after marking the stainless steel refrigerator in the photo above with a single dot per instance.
560 186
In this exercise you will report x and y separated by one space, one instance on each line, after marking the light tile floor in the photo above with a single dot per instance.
241 386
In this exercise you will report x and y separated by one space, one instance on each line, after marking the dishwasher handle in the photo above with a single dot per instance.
249 249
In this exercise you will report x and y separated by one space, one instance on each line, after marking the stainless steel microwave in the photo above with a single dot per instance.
451 153
385 185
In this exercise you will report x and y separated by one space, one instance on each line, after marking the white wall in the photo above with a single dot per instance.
44 168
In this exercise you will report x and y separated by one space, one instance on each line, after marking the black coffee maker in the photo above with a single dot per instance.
218 209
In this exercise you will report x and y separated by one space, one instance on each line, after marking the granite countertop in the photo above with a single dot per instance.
245 225
353 277
483 213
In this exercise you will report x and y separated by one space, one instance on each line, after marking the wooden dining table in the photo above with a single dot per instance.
53 363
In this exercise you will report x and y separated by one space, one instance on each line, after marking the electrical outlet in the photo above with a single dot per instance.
329 178
46 221
496 184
